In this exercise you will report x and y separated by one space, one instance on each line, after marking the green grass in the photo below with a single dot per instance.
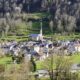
40 64
44 79
37 15
16 38
66 37
75 59
55 37
5 60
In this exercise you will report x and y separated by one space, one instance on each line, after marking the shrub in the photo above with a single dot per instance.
2 68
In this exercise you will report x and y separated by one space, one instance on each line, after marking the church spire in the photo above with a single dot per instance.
41 33
41 28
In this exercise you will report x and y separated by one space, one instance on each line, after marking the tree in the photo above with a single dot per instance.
33 64
63 66
71 25
60 27
23 72
2 27
48 65
51 25
59 68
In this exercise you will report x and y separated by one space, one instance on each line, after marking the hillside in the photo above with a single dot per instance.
22 17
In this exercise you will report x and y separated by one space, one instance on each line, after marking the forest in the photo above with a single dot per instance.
59 16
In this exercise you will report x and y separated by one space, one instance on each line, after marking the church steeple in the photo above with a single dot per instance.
41 32
41 28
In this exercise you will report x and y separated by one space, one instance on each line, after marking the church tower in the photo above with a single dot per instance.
41 33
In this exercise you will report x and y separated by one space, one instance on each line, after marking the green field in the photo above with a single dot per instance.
7 61
75 59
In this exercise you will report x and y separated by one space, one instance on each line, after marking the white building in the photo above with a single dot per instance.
74 48
77 48
37 37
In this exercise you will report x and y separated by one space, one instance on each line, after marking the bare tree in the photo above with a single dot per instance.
23 72
59 68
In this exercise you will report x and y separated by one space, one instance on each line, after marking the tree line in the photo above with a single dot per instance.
64 15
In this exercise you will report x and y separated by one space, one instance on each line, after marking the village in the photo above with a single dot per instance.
39 47
39 39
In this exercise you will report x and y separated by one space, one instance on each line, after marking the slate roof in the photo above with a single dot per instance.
34 35
75 67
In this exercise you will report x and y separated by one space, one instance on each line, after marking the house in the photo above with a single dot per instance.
77 47
41 50
75 68
42 73
71 48
37 37
36 48
74 47
27 57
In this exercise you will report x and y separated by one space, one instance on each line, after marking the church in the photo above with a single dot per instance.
37 37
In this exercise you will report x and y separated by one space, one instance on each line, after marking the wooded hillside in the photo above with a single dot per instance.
63 15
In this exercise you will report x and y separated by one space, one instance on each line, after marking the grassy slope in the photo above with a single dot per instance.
75 59
22 29
5 60
40 64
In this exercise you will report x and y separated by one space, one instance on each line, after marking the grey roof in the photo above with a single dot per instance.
34 35
75 67
42 71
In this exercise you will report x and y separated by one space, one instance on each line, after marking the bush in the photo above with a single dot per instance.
2 68
1 53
